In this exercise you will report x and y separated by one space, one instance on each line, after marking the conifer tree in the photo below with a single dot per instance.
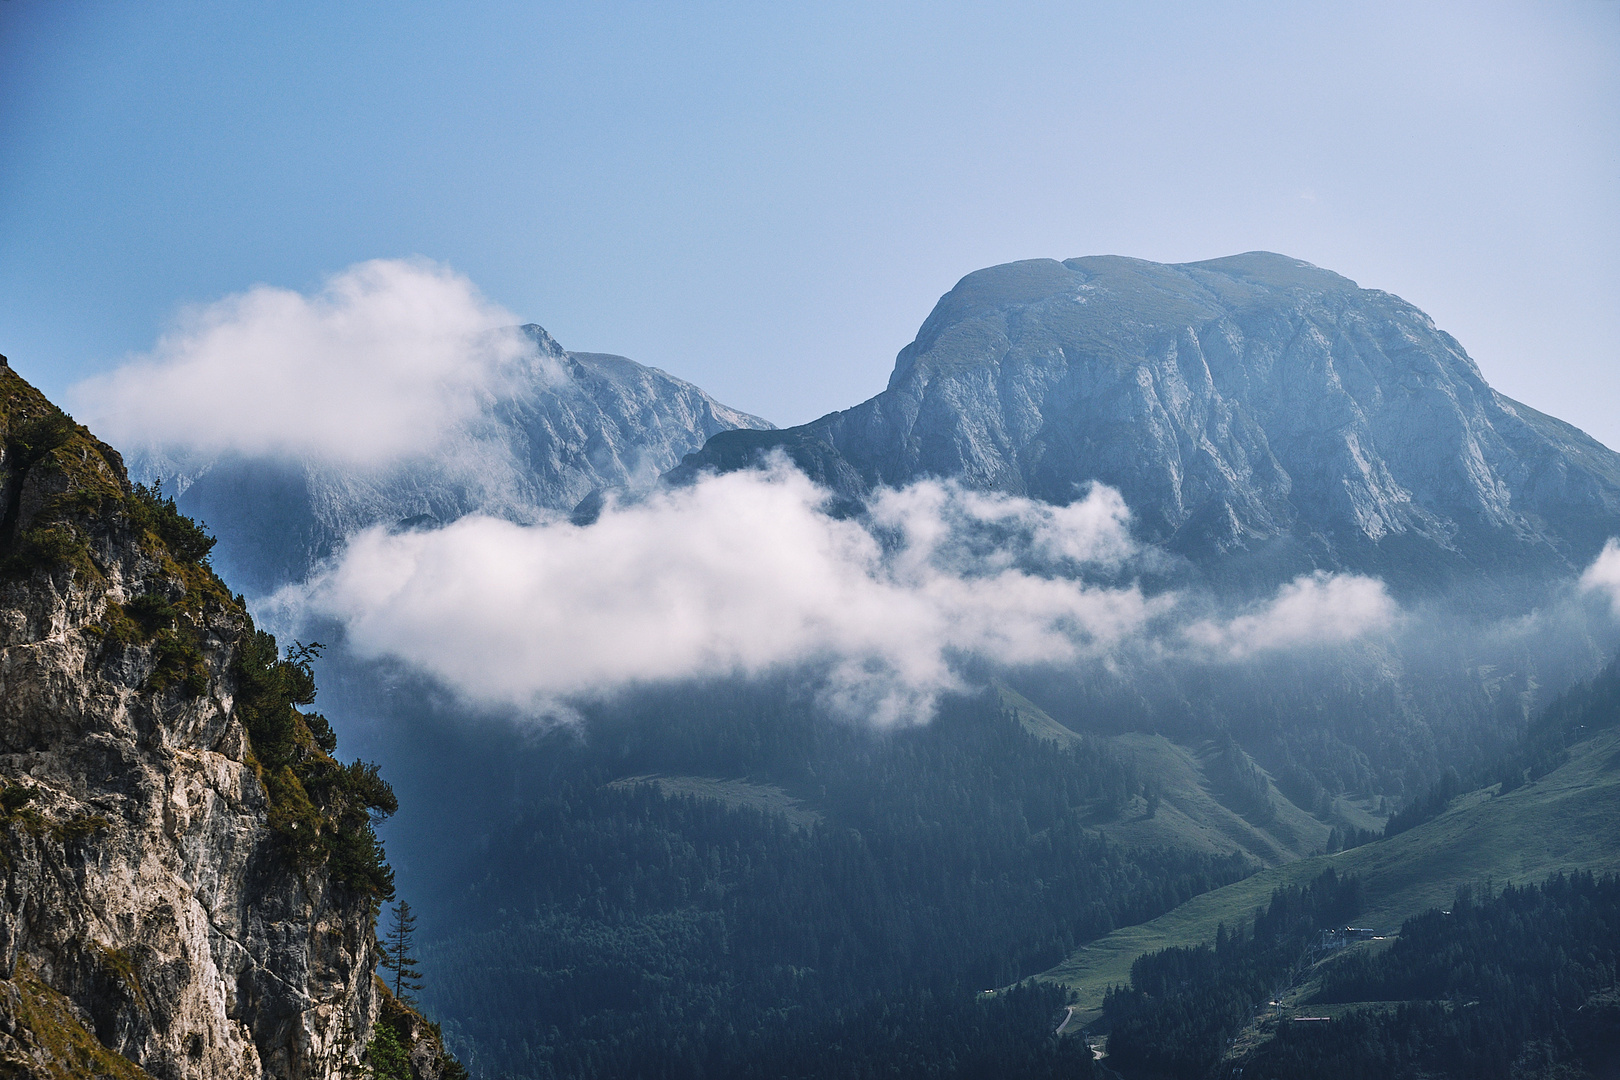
399 953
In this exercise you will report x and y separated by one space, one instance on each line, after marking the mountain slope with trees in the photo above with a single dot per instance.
1518 983
190 876
1558 816
606 928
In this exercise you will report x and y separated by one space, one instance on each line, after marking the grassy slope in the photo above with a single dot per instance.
1190 814
1570 819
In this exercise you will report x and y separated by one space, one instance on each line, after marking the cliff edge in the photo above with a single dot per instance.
190 879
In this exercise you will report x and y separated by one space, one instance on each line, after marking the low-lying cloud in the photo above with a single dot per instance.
745 574
381 363
1603 576
1314 609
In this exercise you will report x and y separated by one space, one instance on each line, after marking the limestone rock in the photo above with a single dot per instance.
143 896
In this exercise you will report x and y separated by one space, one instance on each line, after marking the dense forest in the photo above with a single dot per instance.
616 929
608 924
582 916
1521 983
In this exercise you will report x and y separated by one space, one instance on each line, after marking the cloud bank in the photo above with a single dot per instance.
744 574
384 361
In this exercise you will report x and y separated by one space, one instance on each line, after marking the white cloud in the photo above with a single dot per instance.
1604 574
937 520
744 574
381 364
1313 609
738 574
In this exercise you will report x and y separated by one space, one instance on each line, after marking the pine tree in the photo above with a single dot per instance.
398 951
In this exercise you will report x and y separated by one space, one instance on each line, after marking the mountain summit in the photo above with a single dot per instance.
1260 415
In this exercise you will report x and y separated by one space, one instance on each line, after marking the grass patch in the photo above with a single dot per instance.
1192 814
1033 719
121 966
1188 812
78 828
63 1048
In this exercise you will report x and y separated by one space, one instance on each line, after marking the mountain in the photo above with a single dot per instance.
188 879
1261 416
574 425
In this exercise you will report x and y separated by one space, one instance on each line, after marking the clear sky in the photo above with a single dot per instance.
768 200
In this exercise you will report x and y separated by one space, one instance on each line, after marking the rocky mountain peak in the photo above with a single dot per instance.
1261 416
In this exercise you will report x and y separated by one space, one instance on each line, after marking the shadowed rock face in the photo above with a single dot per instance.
576 424
1260 415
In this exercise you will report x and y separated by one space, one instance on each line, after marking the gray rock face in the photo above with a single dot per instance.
146 916
1255 411
573 425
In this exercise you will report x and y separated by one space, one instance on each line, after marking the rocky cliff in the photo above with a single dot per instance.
569 426
1260 415
189 879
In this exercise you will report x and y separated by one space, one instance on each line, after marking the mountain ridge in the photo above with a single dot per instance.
1262 417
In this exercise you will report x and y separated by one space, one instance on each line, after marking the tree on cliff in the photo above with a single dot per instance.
399 953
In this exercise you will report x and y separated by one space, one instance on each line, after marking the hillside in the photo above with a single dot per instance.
1564 821
1187 809
721 882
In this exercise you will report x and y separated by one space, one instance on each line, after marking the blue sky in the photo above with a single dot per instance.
768 200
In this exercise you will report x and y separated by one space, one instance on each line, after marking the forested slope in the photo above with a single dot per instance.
1518 983
1560 814
611 928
